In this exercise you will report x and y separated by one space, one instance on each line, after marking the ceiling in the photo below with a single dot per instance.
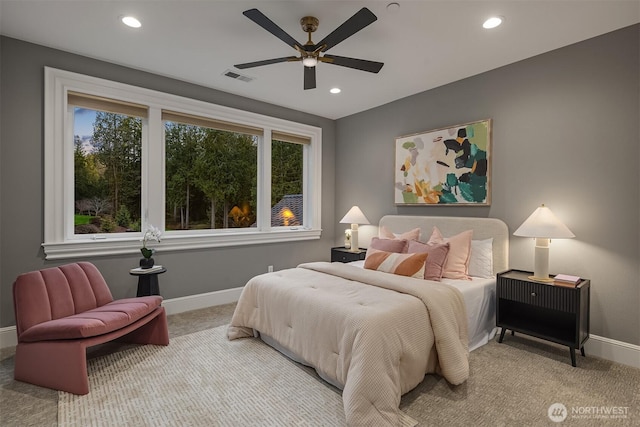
423 44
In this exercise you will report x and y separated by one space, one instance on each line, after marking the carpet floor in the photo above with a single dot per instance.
220 383
511 384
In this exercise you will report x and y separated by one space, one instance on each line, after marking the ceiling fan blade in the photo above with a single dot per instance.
259 18
358 64
357 22
267 62
309 78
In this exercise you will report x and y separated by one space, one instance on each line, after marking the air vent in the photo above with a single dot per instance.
237 76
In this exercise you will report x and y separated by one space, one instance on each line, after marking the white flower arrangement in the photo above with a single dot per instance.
152 233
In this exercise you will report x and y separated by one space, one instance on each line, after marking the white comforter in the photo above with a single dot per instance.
377 342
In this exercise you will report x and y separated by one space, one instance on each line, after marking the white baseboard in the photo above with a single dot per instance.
615 351
8 336
196 302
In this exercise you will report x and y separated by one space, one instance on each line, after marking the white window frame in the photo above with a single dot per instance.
60 242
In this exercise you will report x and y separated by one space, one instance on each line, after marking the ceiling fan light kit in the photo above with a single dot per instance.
310 53
309 61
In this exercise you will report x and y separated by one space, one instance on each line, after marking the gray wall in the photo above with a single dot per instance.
565 133
21 168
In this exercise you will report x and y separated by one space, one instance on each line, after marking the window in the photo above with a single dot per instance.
107 139
119 158
211 173
287 178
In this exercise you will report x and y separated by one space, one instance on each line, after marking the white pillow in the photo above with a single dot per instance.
481 258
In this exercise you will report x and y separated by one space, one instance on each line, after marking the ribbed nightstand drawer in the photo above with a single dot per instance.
341 257
539 294
341 254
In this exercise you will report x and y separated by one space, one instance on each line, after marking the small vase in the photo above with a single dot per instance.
146 262
347 238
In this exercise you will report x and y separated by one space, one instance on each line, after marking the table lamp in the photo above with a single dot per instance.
354 217
544 226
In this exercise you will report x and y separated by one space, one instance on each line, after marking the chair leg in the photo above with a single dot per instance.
154 332
56 365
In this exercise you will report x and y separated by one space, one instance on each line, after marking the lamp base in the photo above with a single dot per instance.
541 261
354 238
540 279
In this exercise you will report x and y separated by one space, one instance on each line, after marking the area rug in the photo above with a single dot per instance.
202 379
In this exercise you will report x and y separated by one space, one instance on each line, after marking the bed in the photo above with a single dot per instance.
372 334
479 296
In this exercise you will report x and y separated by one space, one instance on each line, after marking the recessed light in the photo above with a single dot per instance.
493 22
335 90
393 7
130 21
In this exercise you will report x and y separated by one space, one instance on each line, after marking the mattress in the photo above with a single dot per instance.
480 300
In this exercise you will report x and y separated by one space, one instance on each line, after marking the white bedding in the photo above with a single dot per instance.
373 334
479 297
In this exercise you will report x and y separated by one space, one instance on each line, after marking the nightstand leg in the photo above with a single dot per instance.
582 351
502 331
573 356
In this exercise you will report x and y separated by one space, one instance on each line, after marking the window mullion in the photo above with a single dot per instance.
153 177
313 183
307 189
68 199
264 181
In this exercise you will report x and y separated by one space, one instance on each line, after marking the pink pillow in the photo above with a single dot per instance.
385 233
410 265
457 263
389 245
438 252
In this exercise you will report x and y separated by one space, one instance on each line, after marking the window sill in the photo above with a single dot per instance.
122 246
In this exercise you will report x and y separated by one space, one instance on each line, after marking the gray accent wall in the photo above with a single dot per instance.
565 133
21 166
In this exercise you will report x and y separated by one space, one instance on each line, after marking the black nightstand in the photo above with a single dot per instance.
554 313
342 254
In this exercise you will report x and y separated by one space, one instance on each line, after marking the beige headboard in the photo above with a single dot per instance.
483 228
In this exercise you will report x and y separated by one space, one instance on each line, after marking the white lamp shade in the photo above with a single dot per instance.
354 216
543 223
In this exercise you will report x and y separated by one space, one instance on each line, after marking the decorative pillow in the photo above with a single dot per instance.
410 265
438 252
389 245
385 233
481 258
457 263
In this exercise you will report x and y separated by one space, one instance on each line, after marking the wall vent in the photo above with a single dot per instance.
237 76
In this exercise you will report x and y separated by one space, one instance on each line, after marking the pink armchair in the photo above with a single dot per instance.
63 310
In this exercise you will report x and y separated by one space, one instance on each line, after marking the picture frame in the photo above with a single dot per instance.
444 167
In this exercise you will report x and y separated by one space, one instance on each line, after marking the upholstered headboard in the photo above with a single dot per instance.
483 228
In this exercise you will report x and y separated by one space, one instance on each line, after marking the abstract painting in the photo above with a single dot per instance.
445 167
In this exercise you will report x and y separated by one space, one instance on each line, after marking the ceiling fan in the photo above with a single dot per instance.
310 53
